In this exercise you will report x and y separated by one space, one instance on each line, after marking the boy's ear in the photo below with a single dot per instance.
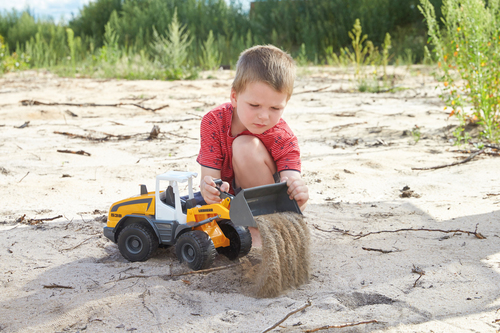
234 97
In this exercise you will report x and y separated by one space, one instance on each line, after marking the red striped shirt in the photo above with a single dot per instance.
216 143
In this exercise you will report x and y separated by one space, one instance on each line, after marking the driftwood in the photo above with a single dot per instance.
287 316
361 235
29 102
342 325
79 152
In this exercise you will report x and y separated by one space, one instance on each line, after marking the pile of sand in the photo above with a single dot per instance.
285 254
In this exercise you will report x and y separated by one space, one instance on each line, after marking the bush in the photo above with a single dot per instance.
468 53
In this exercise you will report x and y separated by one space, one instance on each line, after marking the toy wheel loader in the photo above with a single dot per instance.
163 218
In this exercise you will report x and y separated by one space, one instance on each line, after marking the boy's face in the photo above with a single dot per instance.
259 107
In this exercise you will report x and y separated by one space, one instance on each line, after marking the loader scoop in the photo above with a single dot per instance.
261 200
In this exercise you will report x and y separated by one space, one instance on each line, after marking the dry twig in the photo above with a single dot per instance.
79 152
471 156
203 271
27 173
419 271
311 91
287 316
53 286
379 250
342 326
78 245
361 235
28 102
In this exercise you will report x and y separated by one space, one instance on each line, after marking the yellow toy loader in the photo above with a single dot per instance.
163 218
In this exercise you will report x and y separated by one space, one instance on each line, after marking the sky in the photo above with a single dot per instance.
42 8
56 8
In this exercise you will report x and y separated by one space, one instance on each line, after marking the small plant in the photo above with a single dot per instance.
365 58
10 63
468 54
302 56
415 132
172 51
211 56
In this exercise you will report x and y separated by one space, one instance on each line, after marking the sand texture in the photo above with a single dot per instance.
414 250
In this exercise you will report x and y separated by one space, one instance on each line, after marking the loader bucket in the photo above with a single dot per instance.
261 200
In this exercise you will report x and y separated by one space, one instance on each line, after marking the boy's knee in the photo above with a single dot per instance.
247 147
249 150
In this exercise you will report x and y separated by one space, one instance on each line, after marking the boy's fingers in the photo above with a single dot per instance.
225 187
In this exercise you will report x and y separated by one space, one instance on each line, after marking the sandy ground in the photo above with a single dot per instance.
358 153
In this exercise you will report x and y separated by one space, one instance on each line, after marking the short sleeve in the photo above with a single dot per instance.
210 154
286 153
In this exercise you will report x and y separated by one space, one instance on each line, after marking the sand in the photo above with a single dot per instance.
358 152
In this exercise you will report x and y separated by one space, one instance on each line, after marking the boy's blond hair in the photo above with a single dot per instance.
268 64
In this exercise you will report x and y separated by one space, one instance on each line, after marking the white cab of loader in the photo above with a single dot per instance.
164 211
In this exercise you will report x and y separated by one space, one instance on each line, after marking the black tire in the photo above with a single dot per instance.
137 242
196 249
240 240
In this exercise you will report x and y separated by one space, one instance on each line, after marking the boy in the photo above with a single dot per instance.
245 142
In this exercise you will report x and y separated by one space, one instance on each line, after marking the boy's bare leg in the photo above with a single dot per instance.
253 166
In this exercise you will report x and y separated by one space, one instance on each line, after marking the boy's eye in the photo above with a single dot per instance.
254 105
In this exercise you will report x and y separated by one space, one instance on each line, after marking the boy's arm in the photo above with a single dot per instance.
297 188
207 185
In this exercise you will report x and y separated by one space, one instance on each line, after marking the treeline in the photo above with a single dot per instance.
209 32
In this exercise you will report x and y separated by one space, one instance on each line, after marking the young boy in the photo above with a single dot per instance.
245 142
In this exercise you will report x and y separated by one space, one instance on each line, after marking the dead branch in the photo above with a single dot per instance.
379 250
29 102
475 233
471 156
203 271
79 152
53 285
341 326
36 221
287 316
361 235
311 91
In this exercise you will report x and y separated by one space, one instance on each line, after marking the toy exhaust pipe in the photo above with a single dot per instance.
261 200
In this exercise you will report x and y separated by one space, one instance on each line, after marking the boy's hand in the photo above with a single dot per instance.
297 189
209 191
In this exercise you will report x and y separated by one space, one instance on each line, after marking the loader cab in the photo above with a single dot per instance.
168 205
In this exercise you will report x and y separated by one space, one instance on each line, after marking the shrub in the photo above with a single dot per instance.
468 53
